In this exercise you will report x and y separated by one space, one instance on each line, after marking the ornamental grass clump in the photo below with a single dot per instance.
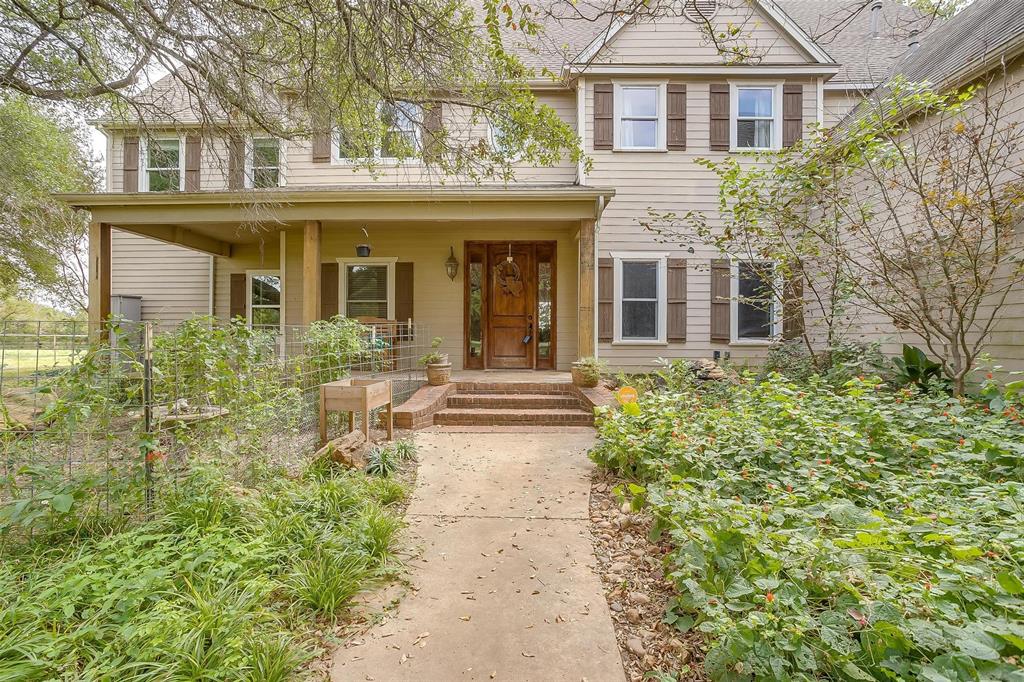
838 533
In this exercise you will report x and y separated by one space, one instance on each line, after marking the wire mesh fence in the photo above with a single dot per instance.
106 420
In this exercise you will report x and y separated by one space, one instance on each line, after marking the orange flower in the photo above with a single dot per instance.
769 596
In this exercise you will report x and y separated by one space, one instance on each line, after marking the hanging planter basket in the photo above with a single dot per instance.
363 250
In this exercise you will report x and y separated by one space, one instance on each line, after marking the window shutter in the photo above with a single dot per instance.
605 299
238 300
130 165
403 292
721 301
236 162
792 114
676 116
322 147
432 121
676 299
193 162
719 117
793 306
329 274
604 136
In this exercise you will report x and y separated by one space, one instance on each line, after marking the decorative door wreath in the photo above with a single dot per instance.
508 276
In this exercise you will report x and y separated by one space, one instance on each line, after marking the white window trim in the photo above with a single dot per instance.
661 257
339 160
343 280
734 106
249 274
734 294
660 144
492 141
281 160
144 160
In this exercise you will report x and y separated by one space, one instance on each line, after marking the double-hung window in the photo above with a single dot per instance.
400 124
264 299
368 288
755 117
755 302
164 171
263 163
640 297
640 117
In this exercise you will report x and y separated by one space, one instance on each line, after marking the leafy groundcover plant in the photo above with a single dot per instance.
853 533
228 583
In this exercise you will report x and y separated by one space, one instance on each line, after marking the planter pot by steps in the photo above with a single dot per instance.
581 378
363 250
439 375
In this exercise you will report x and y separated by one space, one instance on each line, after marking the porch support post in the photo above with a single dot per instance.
586 337
311 272
99 279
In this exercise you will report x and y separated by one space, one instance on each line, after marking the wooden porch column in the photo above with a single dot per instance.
586 334
311 272
99 278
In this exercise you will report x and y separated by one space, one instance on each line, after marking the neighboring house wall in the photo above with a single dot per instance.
838 103
172 281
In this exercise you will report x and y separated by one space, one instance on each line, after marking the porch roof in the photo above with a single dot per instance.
344 203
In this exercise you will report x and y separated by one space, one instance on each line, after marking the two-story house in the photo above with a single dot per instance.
533 274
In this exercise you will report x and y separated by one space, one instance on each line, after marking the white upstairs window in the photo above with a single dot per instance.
639 117
755 119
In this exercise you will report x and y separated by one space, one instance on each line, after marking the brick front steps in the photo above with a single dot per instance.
501 404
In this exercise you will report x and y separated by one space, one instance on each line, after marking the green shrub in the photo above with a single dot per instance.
846 534
327 580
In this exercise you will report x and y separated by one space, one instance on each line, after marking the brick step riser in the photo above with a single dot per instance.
505 420
515 389
511 402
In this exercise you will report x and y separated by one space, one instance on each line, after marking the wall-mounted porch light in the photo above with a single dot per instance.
451 265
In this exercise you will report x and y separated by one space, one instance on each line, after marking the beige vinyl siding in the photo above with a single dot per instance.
670 182
677 40
437 301
172 281
838 103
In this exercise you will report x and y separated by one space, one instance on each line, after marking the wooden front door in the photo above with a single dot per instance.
509 305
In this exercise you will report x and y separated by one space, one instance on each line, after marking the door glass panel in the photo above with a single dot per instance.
544 304
476 300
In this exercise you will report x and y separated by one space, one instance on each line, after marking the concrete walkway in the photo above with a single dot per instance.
504 588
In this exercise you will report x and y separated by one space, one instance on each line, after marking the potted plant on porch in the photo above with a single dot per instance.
439 369
586 372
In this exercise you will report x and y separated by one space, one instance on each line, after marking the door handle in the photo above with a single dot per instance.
529 334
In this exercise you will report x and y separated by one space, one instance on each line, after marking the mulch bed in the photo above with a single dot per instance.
632 574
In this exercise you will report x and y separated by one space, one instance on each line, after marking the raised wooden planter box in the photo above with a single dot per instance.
352 396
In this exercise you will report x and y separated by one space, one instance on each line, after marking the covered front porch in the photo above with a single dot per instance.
505 276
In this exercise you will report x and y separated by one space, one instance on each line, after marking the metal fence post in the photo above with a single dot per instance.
147 409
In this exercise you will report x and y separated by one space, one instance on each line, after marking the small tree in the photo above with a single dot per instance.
909 210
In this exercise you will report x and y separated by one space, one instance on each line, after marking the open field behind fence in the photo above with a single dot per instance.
101 424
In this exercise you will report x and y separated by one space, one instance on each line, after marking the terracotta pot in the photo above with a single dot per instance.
439 375
362 250
580 378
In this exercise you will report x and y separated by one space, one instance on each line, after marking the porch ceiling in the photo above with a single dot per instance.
230 216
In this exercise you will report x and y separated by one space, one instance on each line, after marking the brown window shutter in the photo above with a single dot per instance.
130 165
676 299
432 121
792 114
322 147
329 273
193 162
604 108
403 292
237 306
719 117
605 299
721 300
793 306
236 163
676 116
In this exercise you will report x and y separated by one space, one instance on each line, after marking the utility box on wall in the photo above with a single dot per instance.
127 311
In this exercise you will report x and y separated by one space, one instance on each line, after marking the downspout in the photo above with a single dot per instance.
821 100
597 231
581 129
210 292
